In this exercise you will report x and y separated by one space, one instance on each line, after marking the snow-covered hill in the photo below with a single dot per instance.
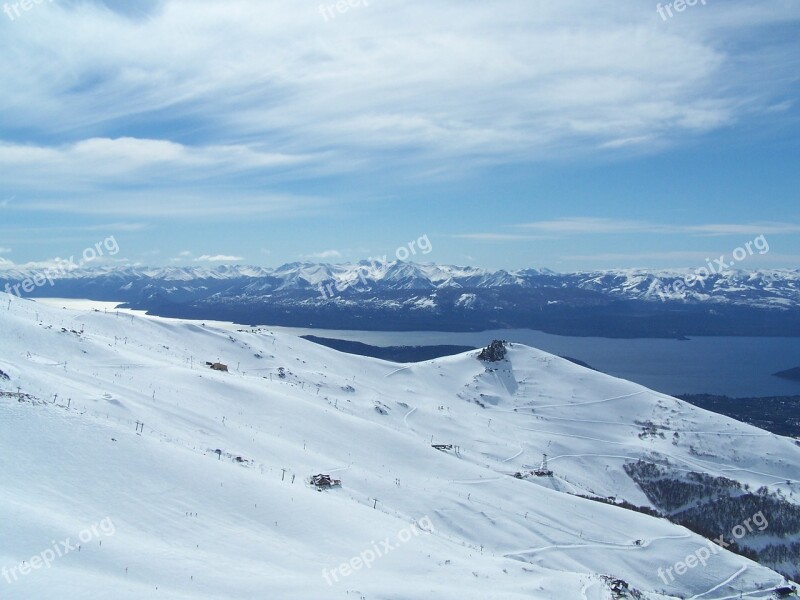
108 418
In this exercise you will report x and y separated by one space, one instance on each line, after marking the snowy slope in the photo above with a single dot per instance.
72 457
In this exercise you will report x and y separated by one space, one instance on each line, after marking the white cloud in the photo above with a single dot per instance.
682 259
114 156
625 142
593 225
63 264
497 237
584 225
449 79
325 254
196 203
130 177
186 256
229 99
218 258
744 228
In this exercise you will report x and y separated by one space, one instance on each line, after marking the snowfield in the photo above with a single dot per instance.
115 418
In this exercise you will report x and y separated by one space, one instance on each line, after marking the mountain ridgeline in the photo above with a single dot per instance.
402 296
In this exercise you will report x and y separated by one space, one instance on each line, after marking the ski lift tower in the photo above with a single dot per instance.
543 471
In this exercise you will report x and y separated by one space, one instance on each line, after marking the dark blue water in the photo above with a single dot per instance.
732 366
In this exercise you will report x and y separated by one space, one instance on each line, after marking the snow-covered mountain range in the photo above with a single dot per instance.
108 418
768 288
399 295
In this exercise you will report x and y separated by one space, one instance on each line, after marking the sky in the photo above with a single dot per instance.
517 133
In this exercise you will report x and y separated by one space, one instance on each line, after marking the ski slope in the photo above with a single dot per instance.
119 418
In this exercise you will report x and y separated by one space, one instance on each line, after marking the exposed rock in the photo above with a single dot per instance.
494 352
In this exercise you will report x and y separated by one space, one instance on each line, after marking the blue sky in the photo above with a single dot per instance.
568 135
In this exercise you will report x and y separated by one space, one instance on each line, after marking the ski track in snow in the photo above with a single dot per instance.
607 545
397 371
408 414
583 590
521 450
719 585
590 402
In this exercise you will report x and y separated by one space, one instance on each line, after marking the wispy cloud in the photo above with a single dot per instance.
743 228
242 111
59 263
640 140
676 259
632 257
48 229
497 237
170 201
120 158
218 258
125 177
583 225
503 84
593 225
324 255
187 256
